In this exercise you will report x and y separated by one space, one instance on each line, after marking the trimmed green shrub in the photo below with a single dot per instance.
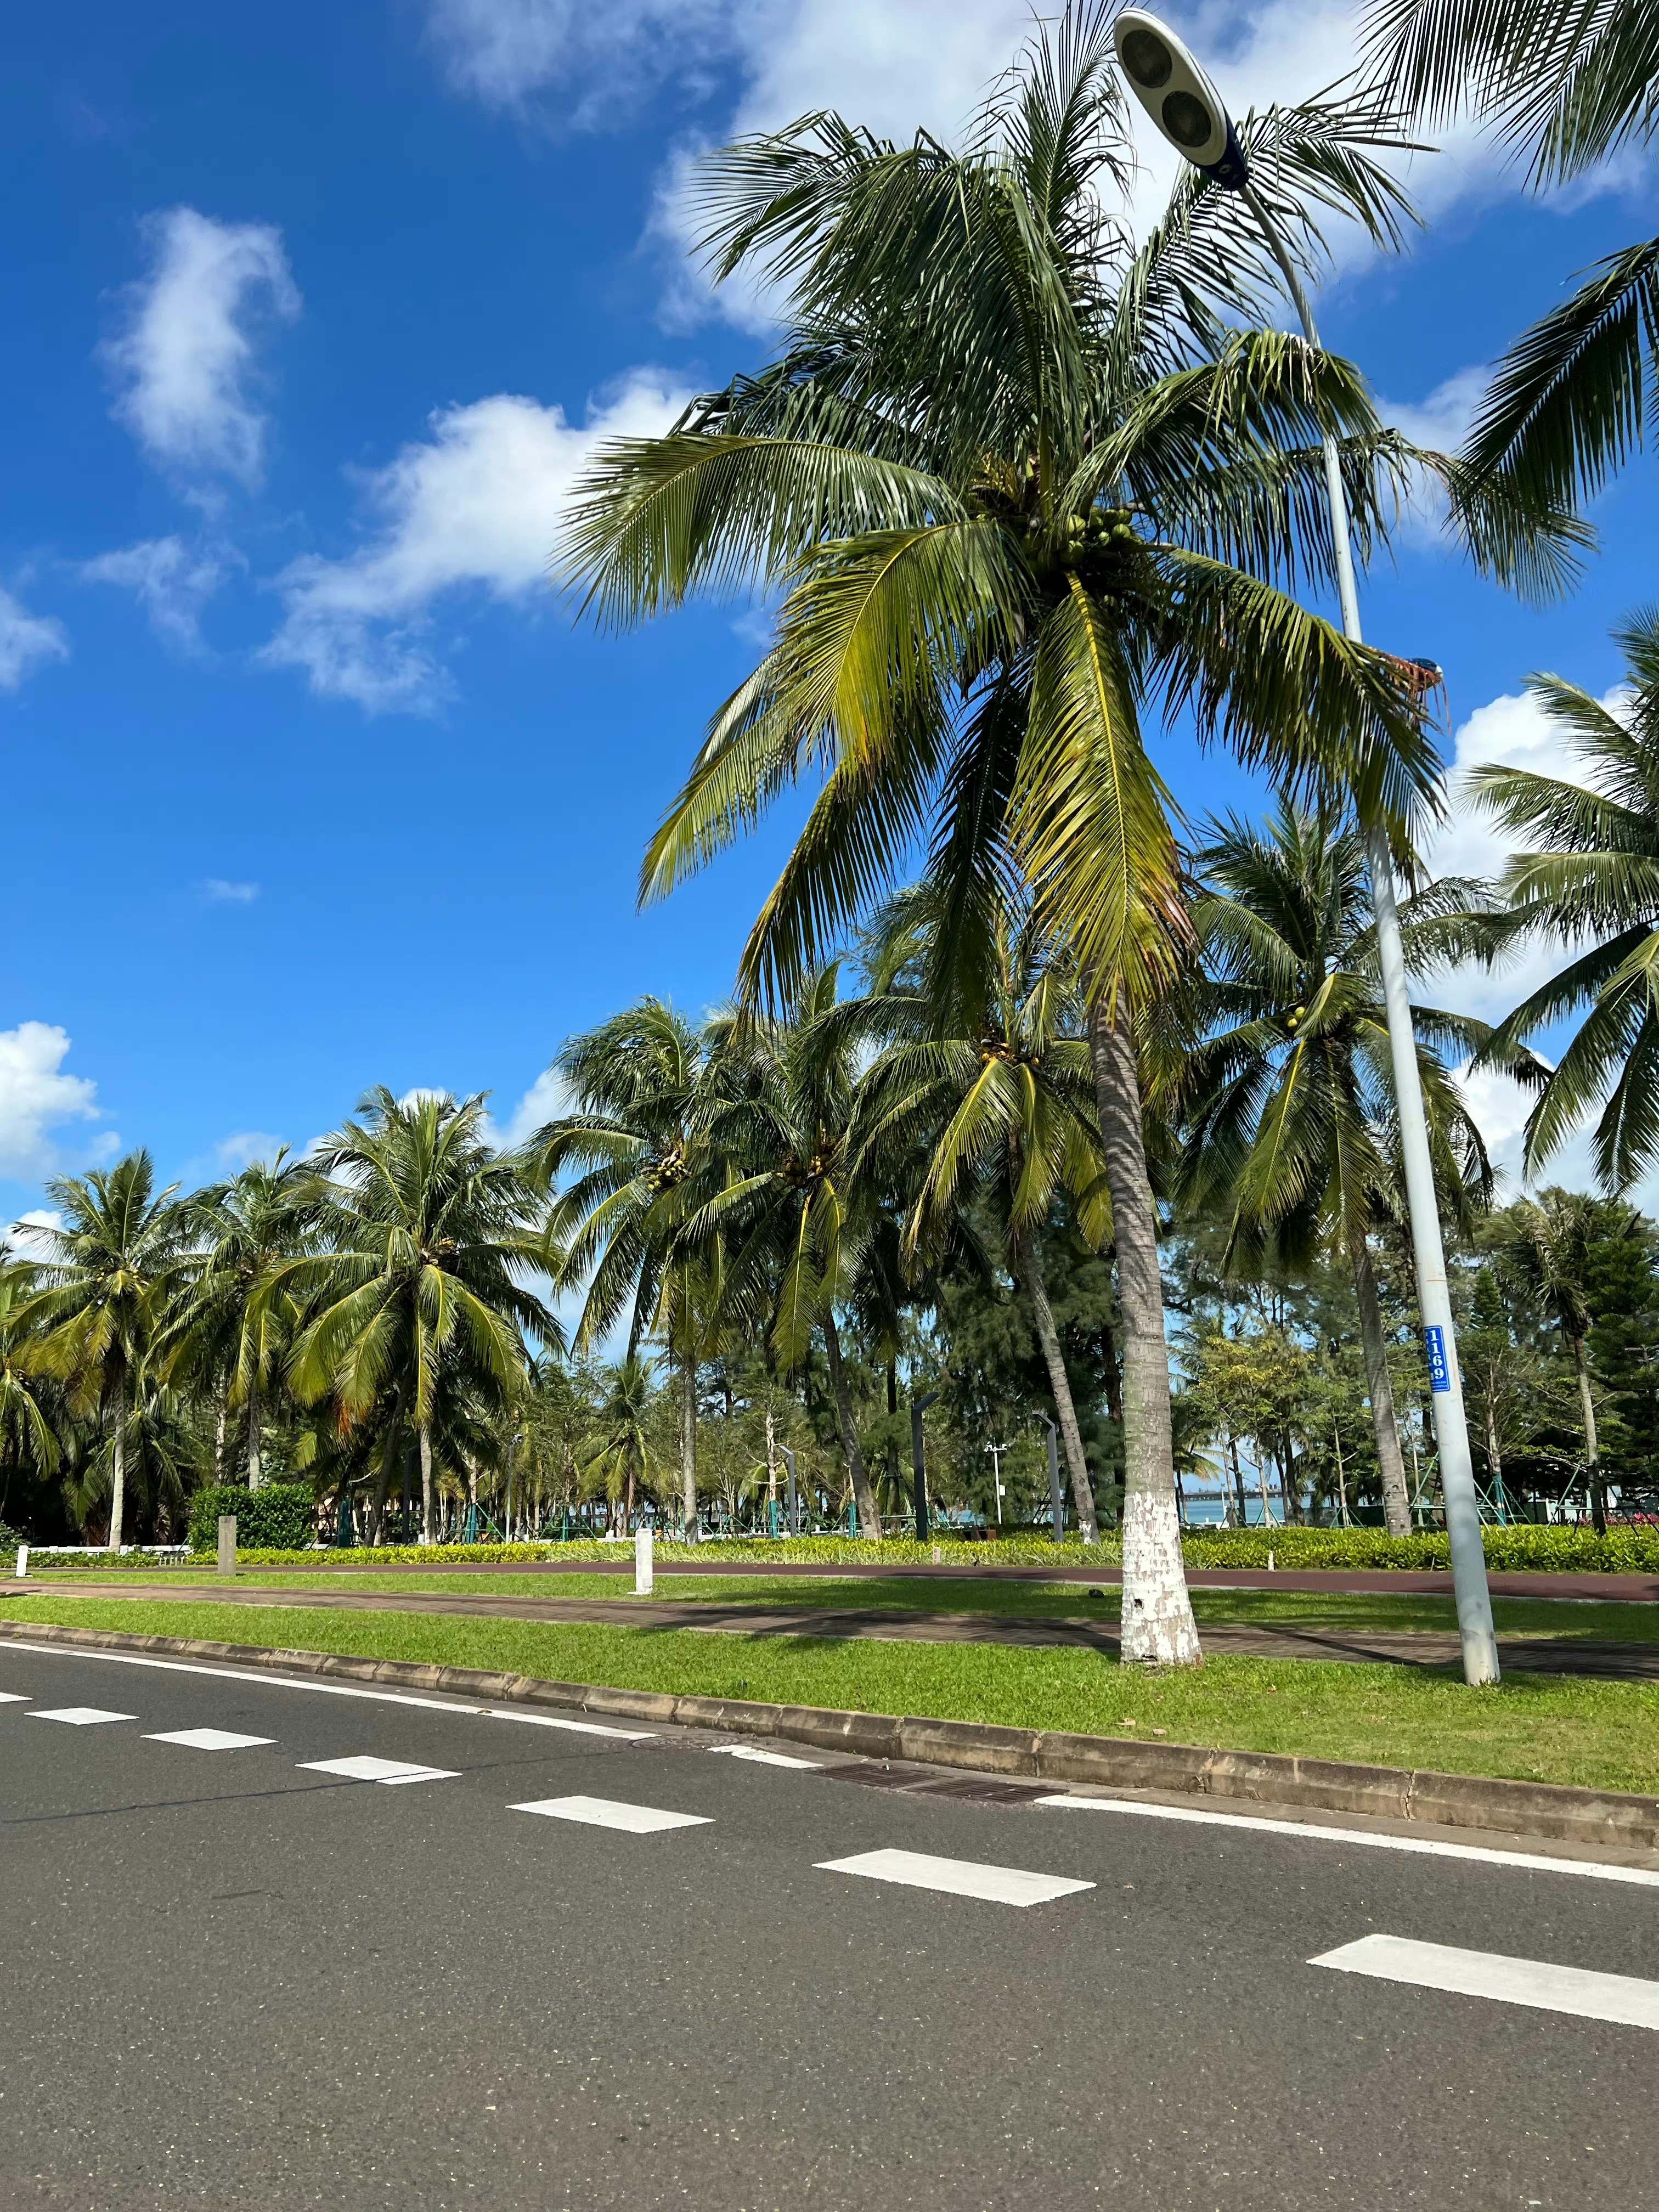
1527 1548
280 1517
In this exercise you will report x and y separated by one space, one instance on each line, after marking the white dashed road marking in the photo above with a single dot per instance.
1617 1997
608 1812
576 1727
79 1716
211 1740
365 1767
767 1758
995 1885
12 1698
1316 1831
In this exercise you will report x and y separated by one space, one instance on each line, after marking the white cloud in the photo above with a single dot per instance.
171 582
477 504
894 65
26 641
601 61
546 1100
36 1096
185 360
1514 731
245 1146
218 890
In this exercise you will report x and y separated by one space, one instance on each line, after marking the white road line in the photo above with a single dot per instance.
267 1680
79 1716
767 1758
211 1740
241 1674
1617 1997
12 1698
1424 1846
576 1727
959 1877
608 1812
365 1767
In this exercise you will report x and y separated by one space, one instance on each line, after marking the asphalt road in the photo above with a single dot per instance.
234 1981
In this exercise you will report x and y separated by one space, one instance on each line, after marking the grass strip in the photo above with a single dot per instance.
1338 1611
1533 1728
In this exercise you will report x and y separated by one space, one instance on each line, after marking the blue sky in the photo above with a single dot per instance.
313 312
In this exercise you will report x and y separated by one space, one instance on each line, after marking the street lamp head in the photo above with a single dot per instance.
1179 98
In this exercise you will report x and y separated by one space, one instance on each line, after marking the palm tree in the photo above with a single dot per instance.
113 1265
998 1081
1592 881
1018 484
780 1190
1547 1244
225 1331
1568 84
619 1449
415 1296
638 1086
27 1437
1289 1098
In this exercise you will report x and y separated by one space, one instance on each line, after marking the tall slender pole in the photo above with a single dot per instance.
1451 1431
919 1462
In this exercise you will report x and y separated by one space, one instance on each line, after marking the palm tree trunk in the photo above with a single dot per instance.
426 1483
118 1487
688 1444
1385 1424
219 1426
892 1432
1157 1612
869 1514
253 1438
1059 1387
1598 1489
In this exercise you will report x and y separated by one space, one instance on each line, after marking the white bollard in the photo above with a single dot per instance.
22 1562
226 1543
644 1569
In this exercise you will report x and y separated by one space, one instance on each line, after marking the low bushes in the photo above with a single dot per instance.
280 1517
275 1527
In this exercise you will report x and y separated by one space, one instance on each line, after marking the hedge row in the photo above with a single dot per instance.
1527 1548
282 1516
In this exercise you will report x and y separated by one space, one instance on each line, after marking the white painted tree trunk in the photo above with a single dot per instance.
254 1477
688 1446
426 1483
1157 1612
117 1502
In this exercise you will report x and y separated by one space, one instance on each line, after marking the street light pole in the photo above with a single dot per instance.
1179 97
996 1452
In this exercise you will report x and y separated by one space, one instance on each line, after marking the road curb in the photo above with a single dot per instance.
1607 1818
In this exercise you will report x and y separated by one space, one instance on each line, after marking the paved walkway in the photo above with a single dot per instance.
1385 1582
1532 1655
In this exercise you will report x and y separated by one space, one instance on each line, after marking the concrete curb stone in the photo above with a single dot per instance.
1607 1818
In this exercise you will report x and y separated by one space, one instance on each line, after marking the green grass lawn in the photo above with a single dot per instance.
1614 1620
1539 1727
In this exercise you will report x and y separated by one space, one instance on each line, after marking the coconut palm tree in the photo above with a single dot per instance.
638 1086
416 1295
1289 1098
28 1438
781 1193
1019 485
1547 1245
1567 82
225 1333
113 1263
619 1449
1590 880
996 1079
